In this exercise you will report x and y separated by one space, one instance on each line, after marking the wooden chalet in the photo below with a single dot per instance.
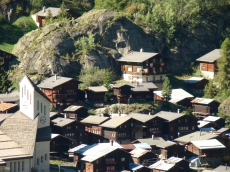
122 129
176 124
143 157
169 148
61 91
94 130
217 121
224 138
102 157
208 63
7 59
40 16
122 92
205 107
144 67
210 152
59 145
95 95
76 112
69 128
153 125
196 83
138 168
178 96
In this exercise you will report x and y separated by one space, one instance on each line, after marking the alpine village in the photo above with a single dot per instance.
114 85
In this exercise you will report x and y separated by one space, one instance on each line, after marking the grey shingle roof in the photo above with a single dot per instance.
152 141
165 144
21 129
141 117
196 136
136 56
169 116
145 86
72 108
54 81
9 99
115 122
61 122
98 89
94 119
211 56
222 130
53 10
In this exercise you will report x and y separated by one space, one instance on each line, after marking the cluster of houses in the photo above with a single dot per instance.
31 134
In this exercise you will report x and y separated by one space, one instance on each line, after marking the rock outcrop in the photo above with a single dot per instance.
51 50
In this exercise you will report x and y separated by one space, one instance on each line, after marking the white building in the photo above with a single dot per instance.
25 135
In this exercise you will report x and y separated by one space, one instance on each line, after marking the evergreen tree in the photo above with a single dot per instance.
223 63
210 90
63 14
5 83
49 18
166 90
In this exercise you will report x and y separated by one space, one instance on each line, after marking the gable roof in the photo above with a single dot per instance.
169 116
211 118
177 95
97 88
61 122
173 160
152 141
53 10
138 152
198 135
193 80
54 81
166 144
141 117
161 165
120 85
145 86
94 119
202 123
22 130
136 56
115 122
7 106
211 56
208 144
204 101
142 145
72 108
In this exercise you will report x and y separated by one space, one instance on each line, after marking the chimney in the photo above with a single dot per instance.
153 136
149 113
137 83
65 115
178 110
44 9
141 50
55 76
111 142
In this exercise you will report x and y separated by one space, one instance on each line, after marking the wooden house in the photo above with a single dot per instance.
103 157
7 59
178 96
196 83
144 67
95 95
176 124
217 121
143 157
138 168
69 128
209 151
169 149
62 91
162 166
205 107
122 92
94 130
59 145
153 125
208 63
224 138
76 112
122 129
40 16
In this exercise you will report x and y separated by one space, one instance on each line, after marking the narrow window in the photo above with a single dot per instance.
45 157
30 98
122 159
37 161
41 159
18 165
22 92
14 166
22 165
41 107
24 89
11 168
44 109
38 105
27 95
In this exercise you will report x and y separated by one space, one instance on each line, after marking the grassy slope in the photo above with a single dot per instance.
11 33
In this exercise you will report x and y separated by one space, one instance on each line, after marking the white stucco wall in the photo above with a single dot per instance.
41 149
27 165
143 78
208 74
34 19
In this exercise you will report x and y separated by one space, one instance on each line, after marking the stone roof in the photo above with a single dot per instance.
61 122
22 130
3 116
53 10
97 89
138 152
211 56
145 86
169 116
141 117
72 108
7 106
94 120
166 144
115 122
128 146
9 99
136 56
195 136
204 101
152 141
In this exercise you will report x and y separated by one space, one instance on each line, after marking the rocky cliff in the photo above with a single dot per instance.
51 50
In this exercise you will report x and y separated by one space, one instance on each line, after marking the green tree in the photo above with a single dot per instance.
210 90
166 89
223 63
5 83
49 18
63 14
